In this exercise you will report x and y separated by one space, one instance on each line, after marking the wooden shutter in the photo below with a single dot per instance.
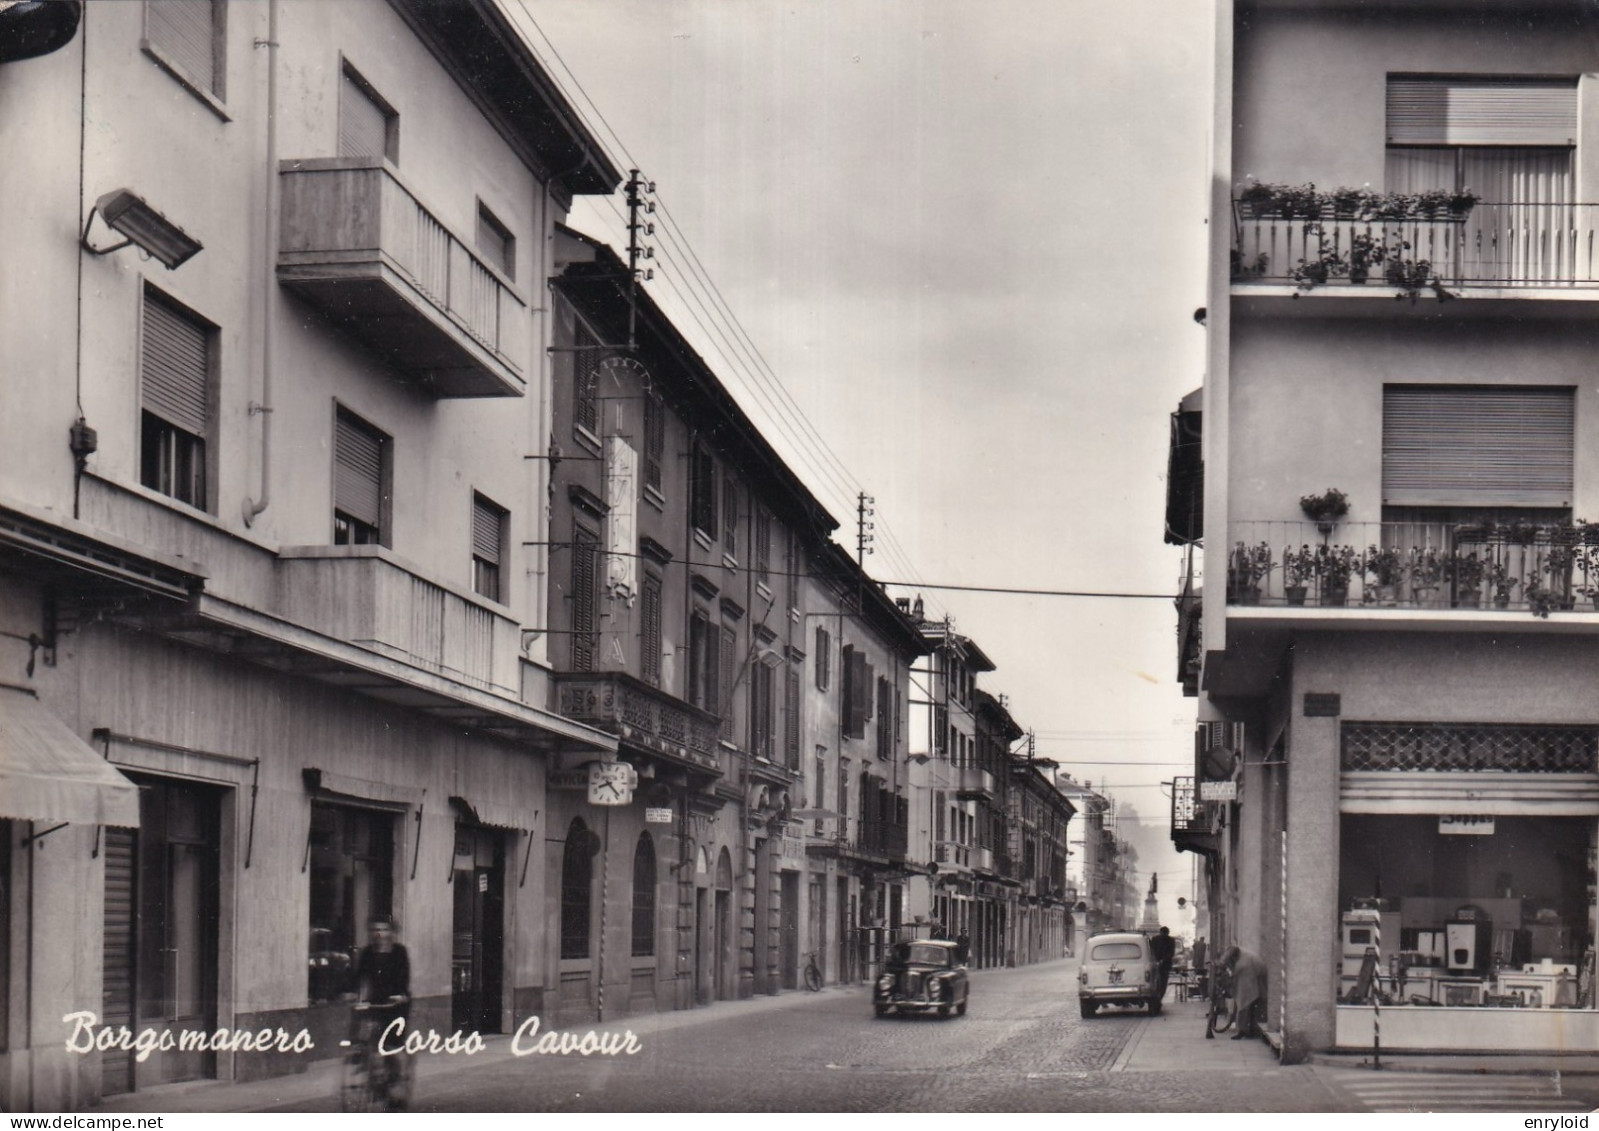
363 124
116 996
175 367
791 706
654 440
1481 111
1488 446
584 545
650 643
728 665
185 31
487 530
358 471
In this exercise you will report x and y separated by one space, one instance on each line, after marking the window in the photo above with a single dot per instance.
654 440
820 800
702 491
763 546
175 367
644 897
368 125
855 691
361 473
885 719
1480 446
824 644
586 381
495 242
577 889
489 523
187 38
703 646
729 680
843 797
351 863
730 516
762 708
650 631
585 607
791 713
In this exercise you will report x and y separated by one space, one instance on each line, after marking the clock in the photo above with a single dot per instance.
611 783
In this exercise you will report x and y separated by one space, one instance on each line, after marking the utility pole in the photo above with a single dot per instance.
864 527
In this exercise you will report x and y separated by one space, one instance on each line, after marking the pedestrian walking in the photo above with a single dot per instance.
1163 948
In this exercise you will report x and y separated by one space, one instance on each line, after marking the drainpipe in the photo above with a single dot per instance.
269 300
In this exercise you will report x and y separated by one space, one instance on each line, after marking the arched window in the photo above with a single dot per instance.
577 891
644 897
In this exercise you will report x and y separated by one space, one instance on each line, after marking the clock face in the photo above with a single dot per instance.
611 783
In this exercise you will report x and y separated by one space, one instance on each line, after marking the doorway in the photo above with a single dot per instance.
162 916
478 935
723 954
788 930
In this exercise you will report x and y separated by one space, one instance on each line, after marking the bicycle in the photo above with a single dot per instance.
373 1081
813 973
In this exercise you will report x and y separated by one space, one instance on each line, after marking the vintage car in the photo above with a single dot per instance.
1118 969
922 974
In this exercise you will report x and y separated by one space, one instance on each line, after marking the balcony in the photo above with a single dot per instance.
365 595
1474 569
885 838
1517 246
357 243
643 716
981 859
974 784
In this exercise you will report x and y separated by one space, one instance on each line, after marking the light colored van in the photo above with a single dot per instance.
1117 969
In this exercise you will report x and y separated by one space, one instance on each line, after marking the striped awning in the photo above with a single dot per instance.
48 773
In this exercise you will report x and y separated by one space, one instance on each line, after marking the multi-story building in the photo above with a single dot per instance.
1400 739
1088 868
272 556
755 679
1037 822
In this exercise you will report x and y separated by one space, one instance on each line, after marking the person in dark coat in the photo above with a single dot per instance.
1163 948
1248 975
1201 975
383 981
963 948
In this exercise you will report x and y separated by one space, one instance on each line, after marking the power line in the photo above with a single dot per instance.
1029 592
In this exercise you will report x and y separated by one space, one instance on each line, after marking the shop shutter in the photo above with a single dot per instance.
363 124
1488 446
174 367
1480 111
487 520
185 32
358 470
117 948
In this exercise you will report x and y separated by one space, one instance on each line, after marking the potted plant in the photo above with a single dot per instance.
1350 203
1325 509
1500 580
1299 571
1558 563
1365 252
1247 567
1466 572
1256 199
1426 575
1326 263
1336 565
1385 568
1461 203
1430 202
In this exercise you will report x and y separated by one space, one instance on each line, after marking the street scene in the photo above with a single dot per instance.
793 556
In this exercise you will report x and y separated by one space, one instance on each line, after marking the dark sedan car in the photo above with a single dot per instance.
922 975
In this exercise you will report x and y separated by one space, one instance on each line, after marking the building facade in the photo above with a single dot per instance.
1397 772
272 357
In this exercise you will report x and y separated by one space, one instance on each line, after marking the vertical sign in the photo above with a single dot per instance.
621 526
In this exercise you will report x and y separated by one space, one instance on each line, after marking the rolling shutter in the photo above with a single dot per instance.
487 520
358 473
116 1001
1450 446
363 124
185 32
1482 111
174 367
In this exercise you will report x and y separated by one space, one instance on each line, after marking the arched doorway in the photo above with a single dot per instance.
725 970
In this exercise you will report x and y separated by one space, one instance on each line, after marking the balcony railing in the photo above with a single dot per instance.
974 784
1415 565
1494 245
645 716
356 241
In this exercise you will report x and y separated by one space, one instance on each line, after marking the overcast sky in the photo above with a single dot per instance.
967 238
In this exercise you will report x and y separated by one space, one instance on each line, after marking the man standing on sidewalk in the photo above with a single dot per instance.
1164 948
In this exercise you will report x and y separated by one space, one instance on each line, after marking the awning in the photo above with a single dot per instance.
361 789
493 814
48 773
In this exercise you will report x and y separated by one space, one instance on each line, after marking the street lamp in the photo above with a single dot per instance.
129 214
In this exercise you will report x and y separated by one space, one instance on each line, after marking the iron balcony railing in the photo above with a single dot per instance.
1493 245
1426 565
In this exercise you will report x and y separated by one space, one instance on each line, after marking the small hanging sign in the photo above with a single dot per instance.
1466 826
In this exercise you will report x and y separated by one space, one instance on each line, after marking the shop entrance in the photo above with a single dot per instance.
162 913
788 930
478 937
723 956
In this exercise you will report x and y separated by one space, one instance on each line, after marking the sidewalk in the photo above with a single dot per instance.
1175 1042
321 1078
1468 1064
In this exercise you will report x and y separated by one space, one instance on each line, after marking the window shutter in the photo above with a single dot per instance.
174 367
584 543
363 124
728 665
358 473
791 705
1478 111
654 440
1451 446
650 642
185 31
486 531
